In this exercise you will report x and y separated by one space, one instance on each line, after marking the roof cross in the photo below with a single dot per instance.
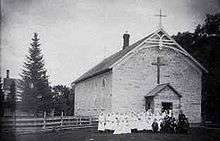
161 16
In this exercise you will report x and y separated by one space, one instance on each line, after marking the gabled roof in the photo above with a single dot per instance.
152 39
159 88
106 63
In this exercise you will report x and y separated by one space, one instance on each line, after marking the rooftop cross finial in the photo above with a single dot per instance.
161 16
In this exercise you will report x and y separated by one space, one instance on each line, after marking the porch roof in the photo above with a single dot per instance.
159 88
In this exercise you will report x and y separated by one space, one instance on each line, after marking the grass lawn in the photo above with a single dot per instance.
196 134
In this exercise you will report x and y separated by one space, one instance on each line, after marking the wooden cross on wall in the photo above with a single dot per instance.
158 64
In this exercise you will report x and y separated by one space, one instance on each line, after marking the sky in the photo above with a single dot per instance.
75 35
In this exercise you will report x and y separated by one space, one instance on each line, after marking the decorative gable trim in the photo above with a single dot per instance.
159 42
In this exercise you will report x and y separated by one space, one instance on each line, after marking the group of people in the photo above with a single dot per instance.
122 123
171 125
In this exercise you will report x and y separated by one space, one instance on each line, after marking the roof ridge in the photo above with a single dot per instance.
110 60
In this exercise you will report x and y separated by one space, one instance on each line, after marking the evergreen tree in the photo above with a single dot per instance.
36 91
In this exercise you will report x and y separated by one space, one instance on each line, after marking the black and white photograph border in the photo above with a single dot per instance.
110 70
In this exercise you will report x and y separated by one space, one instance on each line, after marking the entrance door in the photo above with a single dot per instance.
166 106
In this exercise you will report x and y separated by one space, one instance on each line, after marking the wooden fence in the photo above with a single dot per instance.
26 125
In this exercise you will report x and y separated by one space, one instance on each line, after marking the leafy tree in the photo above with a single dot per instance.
198 31
62 100
185 39
36 91
212 24
204 45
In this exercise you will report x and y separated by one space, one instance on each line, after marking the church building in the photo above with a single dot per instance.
154 73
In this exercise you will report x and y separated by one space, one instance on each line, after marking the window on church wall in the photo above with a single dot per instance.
103 82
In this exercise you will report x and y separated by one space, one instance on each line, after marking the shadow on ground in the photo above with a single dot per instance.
196 134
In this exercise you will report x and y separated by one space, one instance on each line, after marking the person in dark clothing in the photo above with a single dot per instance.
183 124
166 124
155 126
172 123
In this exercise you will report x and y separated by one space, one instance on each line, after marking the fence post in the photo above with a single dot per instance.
79 120
61 121
90 120
14 120
44 126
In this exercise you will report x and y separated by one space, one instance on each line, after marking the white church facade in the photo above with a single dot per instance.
153 73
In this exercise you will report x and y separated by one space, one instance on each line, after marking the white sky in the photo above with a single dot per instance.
77 34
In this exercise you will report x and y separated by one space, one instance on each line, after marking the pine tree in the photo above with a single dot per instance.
36 91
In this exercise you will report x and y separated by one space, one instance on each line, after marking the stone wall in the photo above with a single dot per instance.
134 77
93 95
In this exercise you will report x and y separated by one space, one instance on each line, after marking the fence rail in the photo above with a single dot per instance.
26 125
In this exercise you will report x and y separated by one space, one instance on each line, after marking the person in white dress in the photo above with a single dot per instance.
108 123
159 118
149 122
123 126
170 113
101 122
133 121
112 122
119 124
127 124
164 113
141 122
122 121
116 120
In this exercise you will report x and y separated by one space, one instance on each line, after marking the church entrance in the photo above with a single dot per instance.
163 98
167 106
